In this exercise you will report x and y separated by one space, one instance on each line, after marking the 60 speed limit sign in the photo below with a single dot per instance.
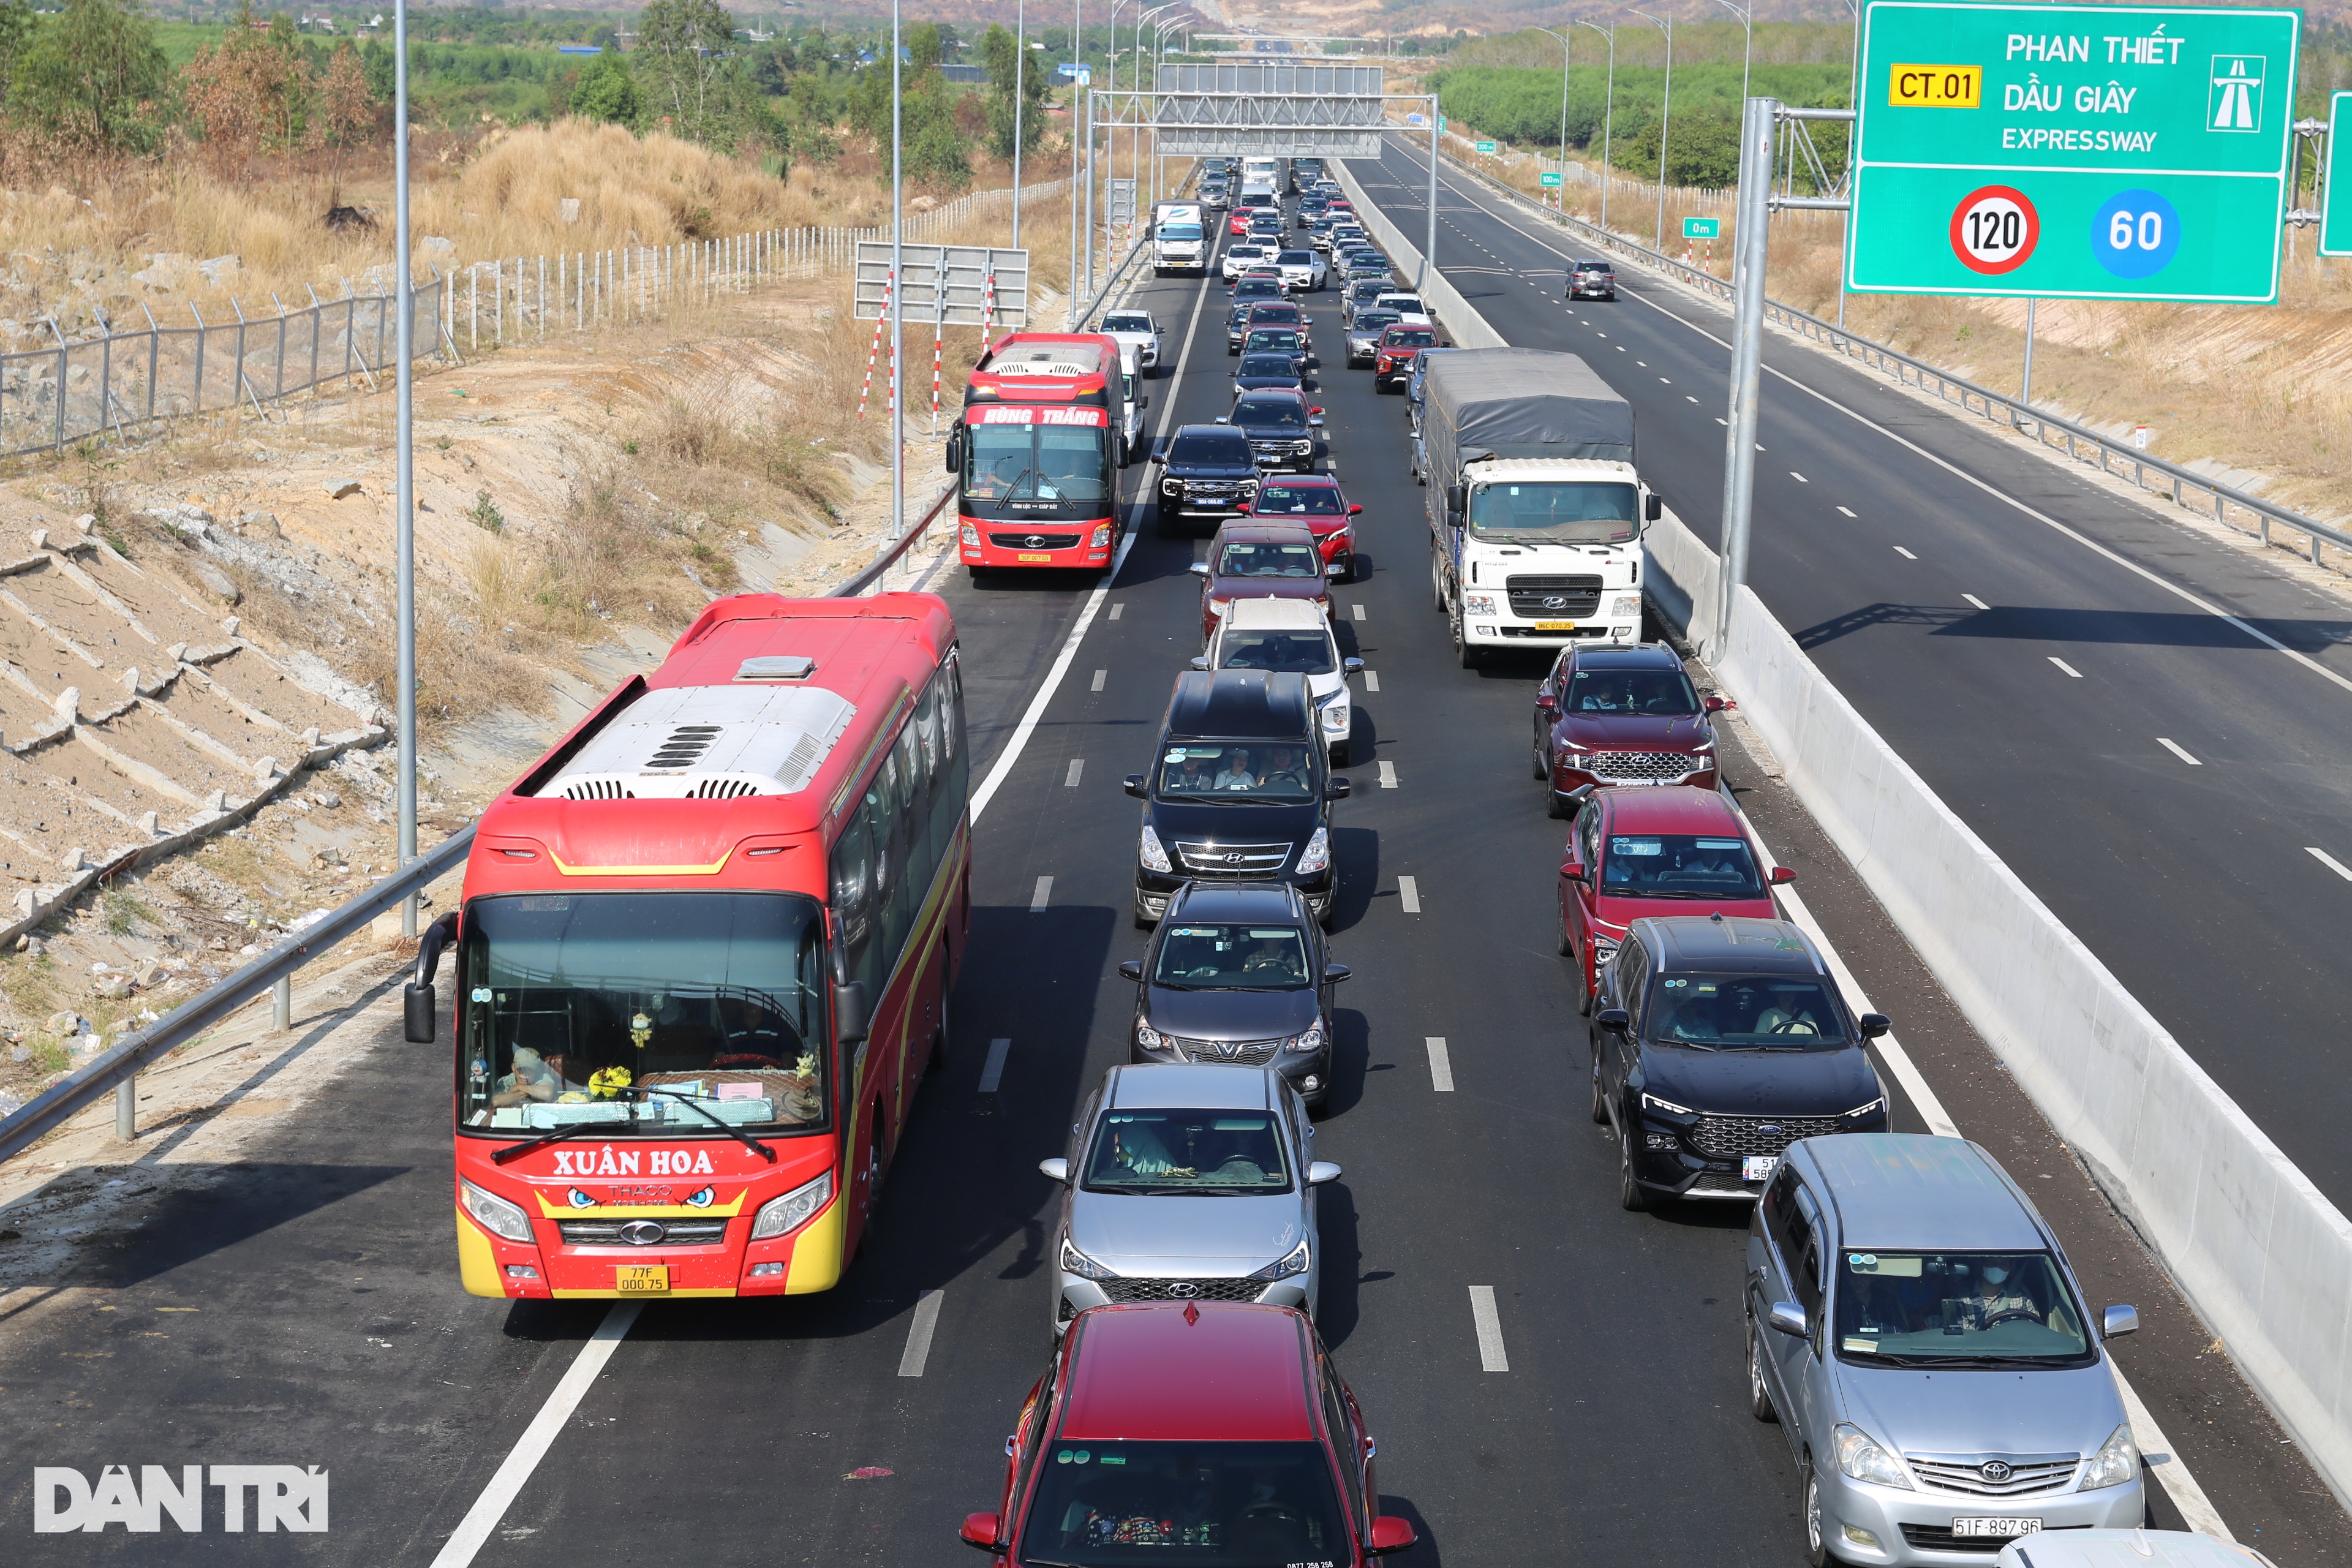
1994 229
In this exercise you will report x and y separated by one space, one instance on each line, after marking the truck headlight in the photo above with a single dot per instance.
1293 1263
1859 1457
1078 1263
782 1216
1315 855
1625 606
1155 859
1477 603
2116 1461
494 1214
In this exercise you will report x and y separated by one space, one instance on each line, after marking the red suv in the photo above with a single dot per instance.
1636 852
1221 1427
1615 715
1392 357
1316 500
1253 560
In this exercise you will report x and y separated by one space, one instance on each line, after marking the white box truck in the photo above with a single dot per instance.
1535 505
1180 238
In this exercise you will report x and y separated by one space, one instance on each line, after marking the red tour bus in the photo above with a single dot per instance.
703 958
1037 452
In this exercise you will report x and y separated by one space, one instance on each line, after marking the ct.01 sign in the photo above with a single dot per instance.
2093 151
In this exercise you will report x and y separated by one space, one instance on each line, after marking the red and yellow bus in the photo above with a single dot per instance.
1037 451
703 958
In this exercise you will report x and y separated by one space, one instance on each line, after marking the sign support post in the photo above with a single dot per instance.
1750 236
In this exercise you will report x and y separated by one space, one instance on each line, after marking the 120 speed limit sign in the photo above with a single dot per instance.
1994 229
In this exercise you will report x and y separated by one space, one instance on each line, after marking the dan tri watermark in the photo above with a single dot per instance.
272 1497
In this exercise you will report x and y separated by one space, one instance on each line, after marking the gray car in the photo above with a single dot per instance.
1364 334
1915 1328
1188 1181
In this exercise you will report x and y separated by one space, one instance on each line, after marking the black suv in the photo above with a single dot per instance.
1717 1041
1239 790
1281 426
1591 280
1238 973
1206 471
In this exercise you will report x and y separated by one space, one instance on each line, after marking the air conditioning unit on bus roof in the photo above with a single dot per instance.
1039 361
709 742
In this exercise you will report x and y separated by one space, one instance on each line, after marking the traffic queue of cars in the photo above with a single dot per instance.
1912 1324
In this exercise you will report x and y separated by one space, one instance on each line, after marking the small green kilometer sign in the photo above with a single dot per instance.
2336 195
1702 228
2089 153
1485 146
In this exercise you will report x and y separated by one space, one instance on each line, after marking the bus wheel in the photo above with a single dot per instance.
939 1041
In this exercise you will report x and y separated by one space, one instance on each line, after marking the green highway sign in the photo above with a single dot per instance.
1441 124
1485 146
2072 152
2336 200
1702 228
1549 177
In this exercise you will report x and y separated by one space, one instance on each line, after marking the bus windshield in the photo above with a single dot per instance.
1036 471
660 1013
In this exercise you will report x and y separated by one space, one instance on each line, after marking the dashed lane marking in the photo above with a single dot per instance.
1037 900
1388 774
1794 474
919 1335
2070 669
2177 750
1441 1065
992 1072
1356 610
1904 554
2330 861
1409 894
1980 603
1100 675
1847 510
1077 769
1372 680
1490 1330
1119 609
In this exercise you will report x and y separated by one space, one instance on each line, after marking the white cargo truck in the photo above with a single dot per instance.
1535 505
1180 238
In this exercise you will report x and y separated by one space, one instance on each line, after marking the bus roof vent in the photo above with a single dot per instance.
710 742
777 667
1042 359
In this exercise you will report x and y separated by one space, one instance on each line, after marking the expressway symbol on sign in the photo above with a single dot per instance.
1994 229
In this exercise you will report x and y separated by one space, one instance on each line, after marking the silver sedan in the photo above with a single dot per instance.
1188 1181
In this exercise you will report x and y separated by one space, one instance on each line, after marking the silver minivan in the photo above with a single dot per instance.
1914 1326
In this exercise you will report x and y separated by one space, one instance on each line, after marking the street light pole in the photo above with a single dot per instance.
404 502
1853 100
1077 56
1666 120
1563 38
1608 114
1748 53
1020 101
898 288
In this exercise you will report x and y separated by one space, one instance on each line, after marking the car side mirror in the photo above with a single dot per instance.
1615 1020
1132 970
1336 789
1354 507
1143 402
1199 568
1133 784
1788 1318
980 1530
1052 1169
1320 1172
420 1007
1457 498
1654 508
1575 872
1335 973
1783 875
1545 702
1390 1533
1224 418
1351 667
1443 344
852 1014
1714 704
2117 1321
1200 661
1874 1025
1313 411
1315 420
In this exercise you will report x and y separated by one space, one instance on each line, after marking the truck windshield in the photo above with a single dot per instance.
1565 513
1040 471
573 1007
1179 231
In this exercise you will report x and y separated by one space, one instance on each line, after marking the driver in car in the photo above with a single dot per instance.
1994 1297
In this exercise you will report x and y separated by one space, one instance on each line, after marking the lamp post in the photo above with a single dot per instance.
1135 145
1748 53
1077 59
897 289
1563 38
1158 56
1110 132
1665 119
404 461
1608 113
1020 101
1853 100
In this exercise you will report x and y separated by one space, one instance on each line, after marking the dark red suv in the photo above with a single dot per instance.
1636 852
1392 357
1615 715
1195 1433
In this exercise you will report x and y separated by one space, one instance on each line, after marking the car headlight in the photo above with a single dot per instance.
1335 718
1147 1036
1864 1460
1078 1263
1312 1040
1294 1262
494 1214
1102 537
1477 603
1651 1102
1317 853
970 535
1868 1107
1625 605
2116 1461
1604 948
1155 859
782 1216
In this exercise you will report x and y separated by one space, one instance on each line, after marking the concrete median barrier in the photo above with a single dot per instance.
1464 328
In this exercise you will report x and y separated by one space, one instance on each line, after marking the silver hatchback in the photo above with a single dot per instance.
1188 1181
1914 1329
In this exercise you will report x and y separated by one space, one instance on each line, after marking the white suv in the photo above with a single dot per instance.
1290 635
1301 269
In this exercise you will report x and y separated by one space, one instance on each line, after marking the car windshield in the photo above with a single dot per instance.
1188 1151
1297 500
1567 512
1403 303
1233 1505
1303 653
1914 1309
1204 447
1275 338
1271 314
1372 323
1232 958
575 1007
1138 324
1281 415
1256 288
1203 770
1281 366
1679 866
1650 693
1410 338
1262 559
1744 1013
1592 267
1297 259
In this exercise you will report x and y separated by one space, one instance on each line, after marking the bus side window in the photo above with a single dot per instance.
853 900
951 793
914 832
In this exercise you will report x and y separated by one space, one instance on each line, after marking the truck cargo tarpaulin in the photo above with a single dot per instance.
1521 403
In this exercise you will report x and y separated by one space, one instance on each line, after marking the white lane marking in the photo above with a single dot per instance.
1409 894
919 1335
1794 474
1372 680
2070 669
1688 398
1440 1064
1356 610
2197 1510
1388 774
1028 725
1980 603
1645 364
1102 675
1604 335
514 1472
1721 421
2330 861
1117 610
1665 382
1077 767
1037 900
992 1071
2180 750
1904 554
1490 1330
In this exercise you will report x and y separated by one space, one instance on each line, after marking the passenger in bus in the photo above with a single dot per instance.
1235 774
